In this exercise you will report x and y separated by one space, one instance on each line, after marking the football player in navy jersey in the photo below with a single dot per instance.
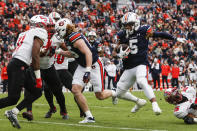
136 37
89 66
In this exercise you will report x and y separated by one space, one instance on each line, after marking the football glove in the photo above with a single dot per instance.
122 54
182 40
86 77
38 83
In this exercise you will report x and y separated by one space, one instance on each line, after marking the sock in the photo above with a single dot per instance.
154 103
88 113
113 93
15 111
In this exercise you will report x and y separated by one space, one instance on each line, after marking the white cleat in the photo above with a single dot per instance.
88 120
156 108
139 104
115 100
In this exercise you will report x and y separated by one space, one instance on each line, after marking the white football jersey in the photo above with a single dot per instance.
61 62
24 44
181 110
48 60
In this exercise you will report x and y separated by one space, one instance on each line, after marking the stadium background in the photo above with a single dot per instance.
103 16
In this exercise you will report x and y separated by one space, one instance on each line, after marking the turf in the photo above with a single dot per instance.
108 117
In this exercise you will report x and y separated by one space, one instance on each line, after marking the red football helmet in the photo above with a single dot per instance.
173 96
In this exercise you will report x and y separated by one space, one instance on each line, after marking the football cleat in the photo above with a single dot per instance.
139 104
28 115
64 116
88 120
49 113
12 118
114 100
156 108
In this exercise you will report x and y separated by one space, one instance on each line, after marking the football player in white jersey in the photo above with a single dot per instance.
26 53
184 101
49 74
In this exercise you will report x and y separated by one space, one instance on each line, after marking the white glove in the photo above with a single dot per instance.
182 40
123 54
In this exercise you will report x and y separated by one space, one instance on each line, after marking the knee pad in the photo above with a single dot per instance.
189 120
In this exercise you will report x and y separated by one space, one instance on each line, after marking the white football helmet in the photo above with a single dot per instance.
131 22
55 16
92 36
61 26
40 21
173 96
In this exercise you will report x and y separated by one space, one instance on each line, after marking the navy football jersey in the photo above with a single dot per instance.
81 60
139 47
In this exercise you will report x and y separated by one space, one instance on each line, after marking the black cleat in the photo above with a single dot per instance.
13 119
49 113
28 115
64 116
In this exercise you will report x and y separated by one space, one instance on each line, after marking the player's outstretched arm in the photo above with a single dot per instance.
164 35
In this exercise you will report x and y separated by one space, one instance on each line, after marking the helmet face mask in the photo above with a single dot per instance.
130 23
51 25
92 36
55 16
61 27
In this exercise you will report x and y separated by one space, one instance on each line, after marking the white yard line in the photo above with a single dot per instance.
39 104
85 125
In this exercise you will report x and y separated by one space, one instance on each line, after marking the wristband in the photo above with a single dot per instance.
37 74
88 69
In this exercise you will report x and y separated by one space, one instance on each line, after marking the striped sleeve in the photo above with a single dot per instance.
149 29
74 36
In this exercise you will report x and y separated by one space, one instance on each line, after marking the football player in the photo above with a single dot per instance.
49 74
26 53
184 101
136 37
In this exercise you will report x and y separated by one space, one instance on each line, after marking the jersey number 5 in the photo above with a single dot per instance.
133 47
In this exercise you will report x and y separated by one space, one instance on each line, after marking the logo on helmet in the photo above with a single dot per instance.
61 23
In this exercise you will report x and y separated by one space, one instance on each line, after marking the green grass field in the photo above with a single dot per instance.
108 117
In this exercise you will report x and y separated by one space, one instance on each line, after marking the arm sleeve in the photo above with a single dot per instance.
164 35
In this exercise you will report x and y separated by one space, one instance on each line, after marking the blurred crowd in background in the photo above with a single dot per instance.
177 17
